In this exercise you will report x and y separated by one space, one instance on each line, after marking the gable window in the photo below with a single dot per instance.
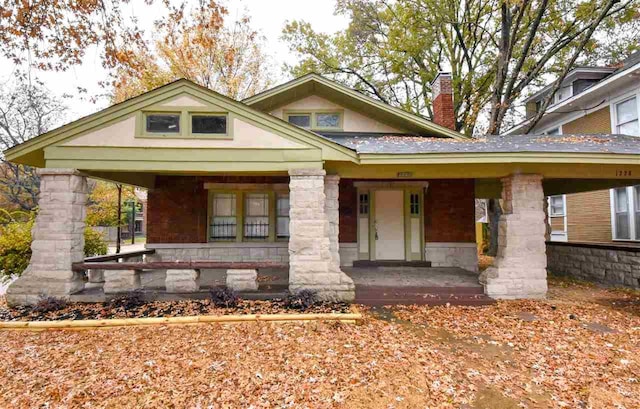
301 120
223 220
626 114
209 124
163 123
328 120
256 220
315 120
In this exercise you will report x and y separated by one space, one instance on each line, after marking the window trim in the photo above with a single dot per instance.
633 234
616 123
313 120
241 191
185 122
558 235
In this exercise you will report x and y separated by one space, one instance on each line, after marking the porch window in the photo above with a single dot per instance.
364 204
627 117
414 204
556 206
621 214
163 123
282 216
256 221
224 219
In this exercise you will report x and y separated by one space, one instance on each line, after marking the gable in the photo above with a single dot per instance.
316 85
352 121
119 137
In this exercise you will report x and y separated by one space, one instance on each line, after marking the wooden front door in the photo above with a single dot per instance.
389 225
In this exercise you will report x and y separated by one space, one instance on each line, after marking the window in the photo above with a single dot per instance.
554 131
223 221
414 204
556 206
327 120
282 216
163 123
627 117
364 204
209 124
315 120
636 210
621 214
301 120
256 220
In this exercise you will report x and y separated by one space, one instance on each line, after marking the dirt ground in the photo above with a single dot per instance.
578 349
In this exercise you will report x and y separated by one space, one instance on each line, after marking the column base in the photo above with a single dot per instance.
503 283
29 289
334 287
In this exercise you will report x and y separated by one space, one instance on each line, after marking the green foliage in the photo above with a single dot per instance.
94 243
15 242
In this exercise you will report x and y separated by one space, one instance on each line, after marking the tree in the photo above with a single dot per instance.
392 50
102 209
27 109
197 45
53 35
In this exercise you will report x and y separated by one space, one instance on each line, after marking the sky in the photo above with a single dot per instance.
268 17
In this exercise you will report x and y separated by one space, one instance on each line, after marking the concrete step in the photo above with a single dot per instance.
390 263
375 296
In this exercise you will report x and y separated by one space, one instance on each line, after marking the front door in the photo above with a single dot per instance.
389 224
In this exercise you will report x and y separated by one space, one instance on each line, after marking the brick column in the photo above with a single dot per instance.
314 263
519 270
57 239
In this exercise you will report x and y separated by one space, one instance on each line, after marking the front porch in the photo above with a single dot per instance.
373 286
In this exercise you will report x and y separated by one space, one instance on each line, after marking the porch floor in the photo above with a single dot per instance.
374 285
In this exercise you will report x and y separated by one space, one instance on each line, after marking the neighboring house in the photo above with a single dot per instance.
593 100
310 175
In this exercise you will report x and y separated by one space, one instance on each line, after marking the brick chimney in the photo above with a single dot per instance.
442 92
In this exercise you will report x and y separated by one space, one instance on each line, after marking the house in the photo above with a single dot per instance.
310 175
599 101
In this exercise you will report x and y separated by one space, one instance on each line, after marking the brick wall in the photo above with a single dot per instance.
596 122
450 211
589 216
177 209
177 206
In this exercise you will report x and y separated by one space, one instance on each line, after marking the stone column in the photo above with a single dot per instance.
313 264
519 269
332 209
57 239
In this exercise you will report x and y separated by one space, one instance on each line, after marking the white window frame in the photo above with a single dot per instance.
557 235
546 131
633 235
613 112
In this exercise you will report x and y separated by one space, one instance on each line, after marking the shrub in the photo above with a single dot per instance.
224 297
49 304
128 301
301 300
94 243
15 242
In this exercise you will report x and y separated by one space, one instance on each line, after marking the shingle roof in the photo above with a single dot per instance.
406 144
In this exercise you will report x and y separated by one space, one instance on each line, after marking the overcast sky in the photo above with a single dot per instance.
268 17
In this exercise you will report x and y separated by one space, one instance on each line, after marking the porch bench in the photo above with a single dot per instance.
181 277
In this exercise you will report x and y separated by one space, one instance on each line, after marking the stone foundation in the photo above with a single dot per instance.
348 254
616 265
58 239
519 270
121 281
314 258
251 251
462 255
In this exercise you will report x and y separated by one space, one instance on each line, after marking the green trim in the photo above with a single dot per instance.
186 167
313 120
498 157
186 123
402 115
330 150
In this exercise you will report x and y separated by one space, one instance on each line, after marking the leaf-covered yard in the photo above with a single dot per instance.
580 348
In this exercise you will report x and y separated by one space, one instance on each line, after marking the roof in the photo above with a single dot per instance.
594 96
380 143
316 84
